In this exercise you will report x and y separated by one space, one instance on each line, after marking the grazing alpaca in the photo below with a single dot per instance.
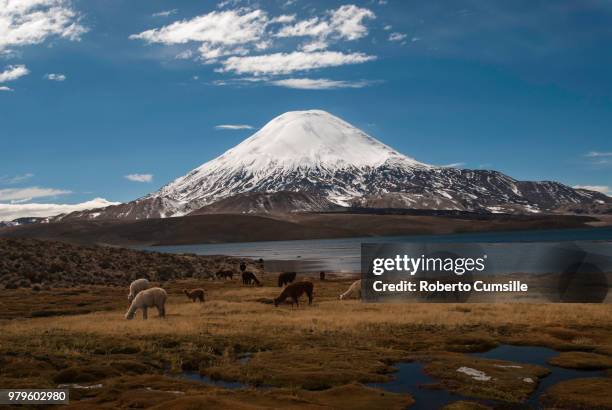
225 274
294 291
137 286
322 275
285 278
249 278
354 288
195 294
242 266
154 297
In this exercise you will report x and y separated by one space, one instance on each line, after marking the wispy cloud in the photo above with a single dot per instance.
7 180
454 165
318 83
599 158
5 88
13 72
139 177
165 13
286 63
604 189
8 212
234 39
55 77
346 22
598 154
25 22
27 194
233 127
397 37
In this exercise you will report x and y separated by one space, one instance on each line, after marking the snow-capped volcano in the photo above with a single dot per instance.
316 152
307 140
294 150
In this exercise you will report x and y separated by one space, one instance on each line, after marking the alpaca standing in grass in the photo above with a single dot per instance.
249 278
137 286
195 294
225 274
286 278
154 297
294 291
354 288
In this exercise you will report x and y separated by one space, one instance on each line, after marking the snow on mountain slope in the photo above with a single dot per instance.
318 153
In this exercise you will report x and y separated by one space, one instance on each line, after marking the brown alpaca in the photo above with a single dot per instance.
294 291
195 294
249 278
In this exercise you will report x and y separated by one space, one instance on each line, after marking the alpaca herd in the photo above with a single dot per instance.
143 296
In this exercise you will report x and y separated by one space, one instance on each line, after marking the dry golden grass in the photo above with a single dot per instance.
327 345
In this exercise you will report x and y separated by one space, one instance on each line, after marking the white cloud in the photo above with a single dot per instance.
228 27
234 127
604 189
55 77
15 179
234 38
285 63
210 54
387 27
314 46
397 37
139 177
3 88
283 19
454 165
25 22
27 194
13 72
165 13
318 83
346 22
312 27
415 39
184 55
8 212
597 154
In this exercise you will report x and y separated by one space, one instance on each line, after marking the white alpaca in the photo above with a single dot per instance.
154 297
137 286
354 288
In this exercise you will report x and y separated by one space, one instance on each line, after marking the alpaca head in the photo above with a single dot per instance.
129 315
130 298
276 302
341 297
186 292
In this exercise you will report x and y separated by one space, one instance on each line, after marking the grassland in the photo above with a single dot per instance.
318 356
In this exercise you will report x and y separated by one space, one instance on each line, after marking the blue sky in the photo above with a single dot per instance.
114 98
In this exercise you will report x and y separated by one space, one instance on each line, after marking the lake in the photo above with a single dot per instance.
344 254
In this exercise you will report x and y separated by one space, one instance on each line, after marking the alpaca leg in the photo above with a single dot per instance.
162 311
310 298
144 313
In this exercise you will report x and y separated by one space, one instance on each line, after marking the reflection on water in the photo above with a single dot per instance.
343 255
